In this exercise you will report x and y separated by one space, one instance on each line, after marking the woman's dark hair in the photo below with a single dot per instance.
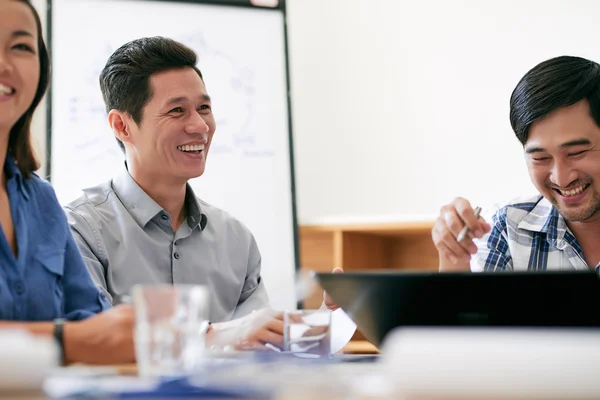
19 139
555 83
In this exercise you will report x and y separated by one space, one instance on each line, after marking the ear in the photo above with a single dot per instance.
121 124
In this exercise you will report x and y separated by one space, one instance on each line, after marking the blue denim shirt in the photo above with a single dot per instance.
48 279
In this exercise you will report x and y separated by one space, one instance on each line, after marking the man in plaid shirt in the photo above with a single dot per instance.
555 114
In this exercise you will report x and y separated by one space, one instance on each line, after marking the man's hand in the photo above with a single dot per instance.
329 303
106 338
253 332
454 255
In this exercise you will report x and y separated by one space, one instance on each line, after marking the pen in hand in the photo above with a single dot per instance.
463 233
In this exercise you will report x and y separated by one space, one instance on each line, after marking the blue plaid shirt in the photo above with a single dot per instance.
528 235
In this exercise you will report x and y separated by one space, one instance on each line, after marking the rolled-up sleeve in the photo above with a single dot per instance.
82 298
254 294
89 249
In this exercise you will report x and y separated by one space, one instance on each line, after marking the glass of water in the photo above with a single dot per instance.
307 332
171 321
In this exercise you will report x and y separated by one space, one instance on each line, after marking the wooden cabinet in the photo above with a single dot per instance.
406 246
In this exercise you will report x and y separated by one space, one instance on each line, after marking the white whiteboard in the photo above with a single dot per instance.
242 58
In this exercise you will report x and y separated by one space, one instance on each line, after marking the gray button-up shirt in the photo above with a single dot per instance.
126 238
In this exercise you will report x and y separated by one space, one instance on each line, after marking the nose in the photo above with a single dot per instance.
5 66
562 174
196 125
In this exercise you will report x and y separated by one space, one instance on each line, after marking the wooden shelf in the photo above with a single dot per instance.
383 229
359 247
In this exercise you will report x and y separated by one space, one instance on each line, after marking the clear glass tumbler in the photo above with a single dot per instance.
307 331
171 322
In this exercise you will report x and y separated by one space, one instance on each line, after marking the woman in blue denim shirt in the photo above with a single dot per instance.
44 285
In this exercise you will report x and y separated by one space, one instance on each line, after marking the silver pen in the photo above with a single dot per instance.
463 233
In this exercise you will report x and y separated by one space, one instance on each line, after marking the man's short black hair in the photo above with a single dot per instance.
555 83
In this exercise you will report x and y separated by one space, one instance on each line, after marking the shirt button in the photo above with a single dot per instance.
19 288
176 255
164 217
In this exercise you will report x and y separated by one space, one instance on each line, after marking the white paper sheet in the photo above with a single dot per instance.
342 330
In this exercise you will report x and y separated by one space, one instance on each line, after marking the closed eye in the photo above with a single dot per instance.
578 153
539 159
23 47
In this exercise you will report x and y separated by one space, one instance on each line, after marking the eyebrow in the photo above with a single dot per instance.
21 33
572 143
179 99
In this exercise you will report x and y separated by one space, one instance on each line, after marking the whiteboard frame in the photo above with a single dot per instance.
222 3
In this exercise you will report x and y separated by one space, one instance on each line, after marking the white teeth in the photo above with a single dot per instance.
6 90
573 192
195 147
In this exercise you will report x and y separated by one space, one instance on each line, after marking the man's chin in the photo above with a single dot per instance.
585 210
580 214
193 174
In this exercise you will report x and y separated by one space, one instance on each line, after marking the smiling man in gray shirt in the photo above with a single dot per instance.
126 238
146 225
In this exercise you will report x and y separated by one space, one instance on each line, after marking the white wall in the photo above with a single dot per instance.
399 106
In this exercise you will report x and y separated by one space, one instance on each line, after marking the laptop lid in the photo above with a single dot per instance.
379 301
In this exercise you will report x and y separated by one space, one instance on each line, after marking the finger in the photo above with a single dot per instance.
442 235
460 250
446 253
315 331
437 232
276 326
467 215
483 228
246 345
457 250
329 302
452 221
269 337
295 318
484 225
278 316
466 245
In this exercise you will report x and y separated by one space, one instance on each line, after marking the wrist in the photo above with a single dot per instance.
71 343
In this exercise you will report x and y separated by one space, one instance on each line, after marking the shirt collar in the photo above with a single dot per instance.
545 218
195 216
13 172
143 208
137 202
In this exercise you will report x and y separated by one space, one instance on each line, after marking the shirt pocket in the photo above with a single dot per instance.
52 262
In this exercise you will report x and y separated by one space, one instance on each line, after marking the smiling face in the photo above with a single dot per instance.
19 63
176 127
563 159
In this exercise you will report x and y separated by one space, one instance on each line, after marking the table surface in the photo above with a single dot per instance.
358 380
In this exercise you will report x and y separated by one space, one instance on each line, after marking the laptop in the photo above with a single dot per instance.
379 301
